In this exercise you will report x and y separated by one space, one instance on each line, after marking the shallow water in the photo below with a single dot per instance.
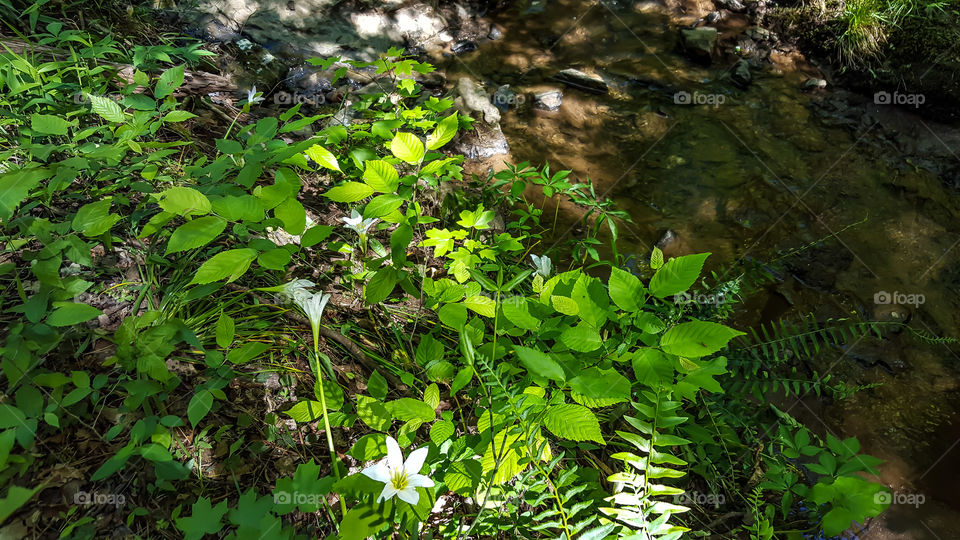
758 173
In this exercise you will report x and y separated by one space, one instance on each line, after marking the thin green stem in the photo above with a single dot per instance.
326 418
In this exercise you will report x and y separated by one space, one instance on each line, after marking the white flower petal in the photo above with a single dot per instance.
419 480
415 460
388 492
409 494
378 472
394 455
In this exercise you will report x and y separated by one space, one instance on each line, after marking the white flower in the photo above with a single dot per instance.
401 478
291 289
544 265
252 96
312 305
358 224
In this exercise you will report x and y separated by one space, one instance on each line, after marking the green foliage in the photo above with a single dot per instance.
566 402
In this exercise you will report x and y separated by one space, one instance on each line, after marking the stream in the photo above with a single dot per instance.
860 195
756 172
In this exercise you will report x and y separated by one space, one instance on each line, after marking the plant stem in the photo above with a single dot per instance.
326 421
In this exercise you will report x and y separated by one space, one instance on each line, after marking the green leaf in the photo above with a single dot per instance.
381 285
230 264
204 520
481 304
440 431
677 275
581 338
453 315
373 413
445 131
405 409
323 157
178 116
305 410
315 235
517 310
697 338
370 446
539 363
247 352
463 477
407 146
72 313
574 422
195 233
16 185
381 205
94 219
16 497
169 81
348 192
361 521
293 216
626 291
47 124
381 176
107 108
200 405
597 387
565 305
226 330
274 259
184 201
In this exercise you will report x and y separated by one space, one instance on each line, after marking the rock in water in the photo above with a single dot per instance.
548 101
474 99
486 139
740 75
592 84
699 43
463 47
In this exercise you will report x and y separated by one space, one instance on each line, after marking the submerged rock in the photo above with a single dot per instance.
593 84
549 100
473 99
463 47
486 139
699 44
740 75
